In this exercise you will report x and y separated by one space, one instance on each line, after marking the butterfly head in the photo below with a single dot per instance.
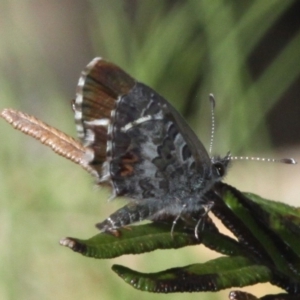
220 166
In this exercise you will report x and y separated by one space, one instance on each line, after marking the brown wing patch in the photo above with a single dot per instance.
127 164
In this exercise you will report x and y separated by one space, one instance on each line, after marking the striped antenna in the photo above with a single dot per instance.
289 161
212 112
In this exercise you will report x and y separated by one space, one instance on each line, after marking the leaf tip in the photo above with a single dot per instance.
73 244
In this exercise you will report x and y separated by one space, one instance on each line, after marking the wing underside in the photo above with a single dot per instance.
140 144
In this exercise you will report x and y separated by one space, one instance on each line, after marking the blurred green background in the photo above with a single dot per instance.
245 52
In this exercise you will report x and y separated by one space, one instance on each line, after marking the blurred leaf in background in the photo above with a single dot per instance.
246 53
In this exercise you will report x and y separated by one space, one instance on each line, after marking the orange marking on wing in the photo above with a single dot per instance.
127 164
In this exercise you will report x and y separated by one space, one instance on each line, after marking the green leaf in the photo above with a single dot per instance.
239 295
150 237
134 240
282 221
221 273
271 245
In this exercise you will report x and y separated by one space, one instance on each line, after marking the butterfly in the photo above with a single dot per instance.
143 148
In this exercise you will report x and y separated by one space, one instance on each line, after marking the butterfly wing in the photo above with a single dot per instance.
138 141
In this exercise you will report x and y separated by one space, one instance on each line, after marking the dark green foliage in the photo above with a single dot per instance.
221 273
261 254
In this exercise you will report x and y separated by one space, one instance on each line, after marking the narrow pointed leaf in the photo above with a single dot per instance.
149 237
272 246
221 273
282 219
239 295
136 240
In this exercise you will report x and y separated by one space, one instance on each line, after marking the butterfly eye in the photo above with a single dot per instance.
220 169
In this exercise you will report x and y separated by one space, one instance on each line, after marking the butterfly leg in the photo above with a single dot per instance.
207 207
128 214
176 219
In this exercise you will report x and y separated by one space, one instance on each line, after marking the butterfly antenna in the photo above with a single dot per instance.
289 161
212 112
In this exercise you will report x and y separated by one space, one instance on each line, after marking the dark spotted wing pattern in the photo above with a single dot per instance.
138 142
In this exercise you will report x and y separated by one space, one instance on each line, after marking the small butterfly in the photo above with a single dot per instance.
139 144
